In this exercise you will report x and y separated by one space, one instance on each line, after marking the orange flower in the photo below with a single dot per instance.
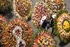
36 40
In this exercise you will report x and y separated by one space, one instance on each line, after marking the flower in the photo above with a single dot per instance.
44 39
63 26
66 25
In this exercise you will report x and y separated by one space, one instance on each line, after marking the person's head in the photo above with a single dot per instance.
48 18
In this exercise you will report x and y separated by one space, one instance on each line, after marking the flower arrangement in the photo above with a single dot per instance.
3 24
40 13
5 5
43 39
55 5
18 33
22 8
63 26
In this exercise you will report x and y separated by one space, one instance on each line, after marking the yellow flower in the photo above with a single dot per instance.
36 14
50 46
38 41
66 25
43 42
46 43
42 37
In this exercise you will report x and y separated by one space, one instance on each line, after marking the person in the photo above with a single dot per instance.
51 23
48 22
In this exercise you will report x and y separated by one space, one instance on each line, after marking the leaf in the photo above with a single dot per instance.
62 11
